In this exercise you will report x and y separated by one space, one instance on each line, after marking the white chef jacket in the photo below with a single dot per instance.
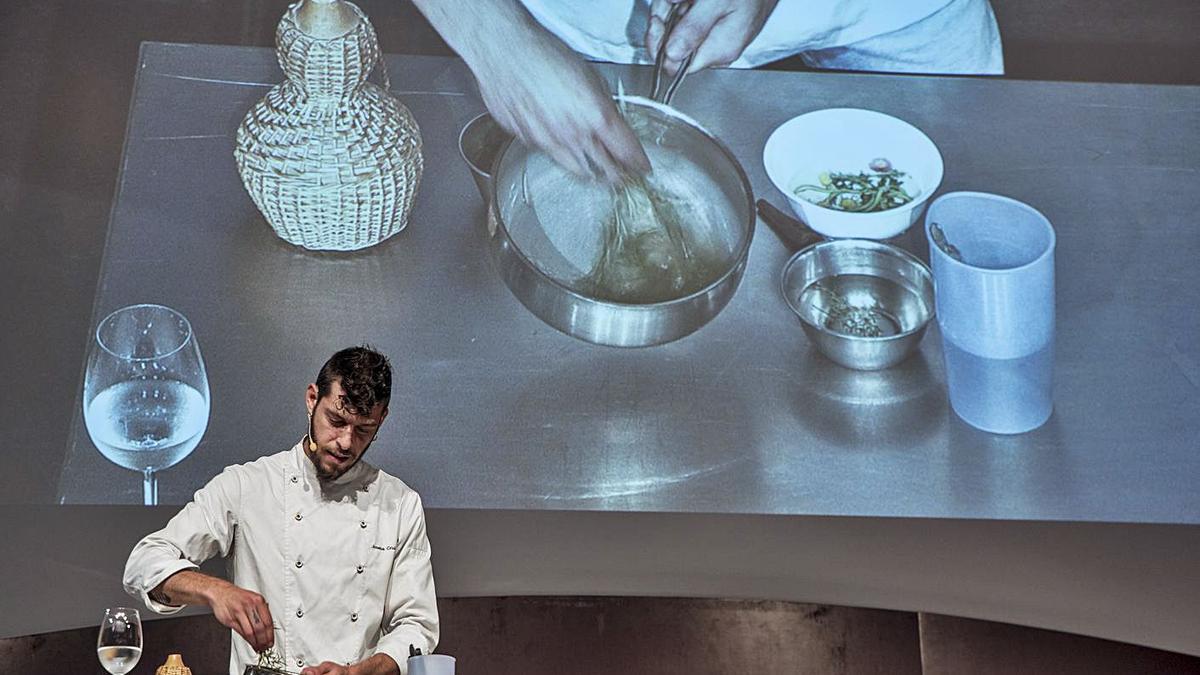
928 36
343 565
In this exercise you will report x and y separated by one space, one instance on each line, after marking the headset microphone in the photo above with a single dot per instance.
312 445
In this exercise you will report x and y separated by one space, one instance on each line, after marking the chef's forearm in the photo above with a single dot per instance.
187 587
379 664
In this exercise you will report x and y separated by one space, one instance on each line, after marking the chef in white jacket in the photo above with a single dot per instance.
525 54
329 559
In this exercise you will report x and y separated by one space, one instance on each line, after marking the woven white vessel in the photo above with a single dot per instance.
332 161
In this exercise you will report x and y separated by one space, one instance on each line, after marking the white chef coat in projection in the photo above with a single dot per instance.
927 36
344 566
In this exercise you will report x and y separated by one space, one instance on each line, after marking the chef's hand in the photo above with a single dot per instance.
537 88
326 668
244 611
717 30
553 100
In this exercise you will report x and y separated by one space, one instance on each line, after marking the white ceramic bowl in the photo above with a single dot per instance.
846 140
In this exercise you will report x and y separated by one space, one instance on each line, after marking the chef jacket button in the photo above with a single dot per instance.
362 524
299 564
295 479
299 517
299 613
299 662
354 616
359 569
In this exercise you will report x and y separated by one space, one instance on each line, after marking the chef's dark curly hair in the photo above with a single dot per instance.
365 376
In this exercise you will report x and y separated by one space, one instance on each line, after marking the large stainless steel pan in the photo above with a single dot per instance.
543 230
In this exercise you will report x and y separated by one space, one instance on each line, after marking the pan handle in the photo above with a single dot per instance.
794 234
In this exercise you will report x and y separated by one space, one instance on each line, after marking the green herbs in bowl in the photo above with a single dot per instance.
862 192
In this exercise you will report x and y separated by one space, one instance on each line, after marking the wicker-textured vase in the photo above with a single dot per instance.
173 666
331 160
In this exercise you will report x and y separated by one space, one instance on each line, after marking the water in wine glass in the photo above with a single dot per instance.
145 391
119 660
147 424
119 645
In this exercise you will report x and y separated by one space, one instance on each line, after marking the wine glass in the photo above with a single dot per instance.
120 643
145 391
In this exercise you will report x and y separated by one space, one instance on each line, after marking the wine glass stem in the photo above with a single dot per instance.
149 487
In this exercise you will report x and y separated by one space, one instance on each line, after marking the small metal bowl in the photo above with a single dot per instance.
479 142
864 304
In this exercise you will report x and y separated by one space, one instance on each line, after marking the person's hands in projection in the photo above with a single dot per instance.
551 99
718 31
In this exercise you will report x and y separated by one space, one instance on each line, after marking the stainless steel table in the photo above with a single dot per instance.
736 461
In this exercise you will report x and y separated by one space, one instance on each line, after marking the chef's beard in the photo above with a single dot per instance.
314 456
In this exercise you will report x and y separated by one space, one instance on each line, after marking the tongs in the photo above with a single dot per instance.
673 16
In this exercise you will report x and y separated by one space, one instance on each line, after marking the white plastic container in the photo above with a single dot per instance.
995 308
431 664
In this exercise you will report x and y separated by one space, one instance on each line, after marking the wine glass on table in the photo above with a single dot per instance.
145 391
120 643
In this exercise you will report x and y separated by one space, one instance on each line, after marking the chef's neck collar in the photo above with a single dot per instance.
309 470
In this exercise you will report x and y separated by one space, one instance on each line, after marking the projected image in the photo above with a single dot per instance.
286 227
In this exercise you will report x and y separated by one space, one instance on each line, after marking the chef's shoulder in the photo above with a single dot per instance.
250 477
393 489
403 499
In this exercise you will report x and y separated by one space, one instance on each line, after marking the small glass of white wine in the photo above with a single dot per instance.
120 643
